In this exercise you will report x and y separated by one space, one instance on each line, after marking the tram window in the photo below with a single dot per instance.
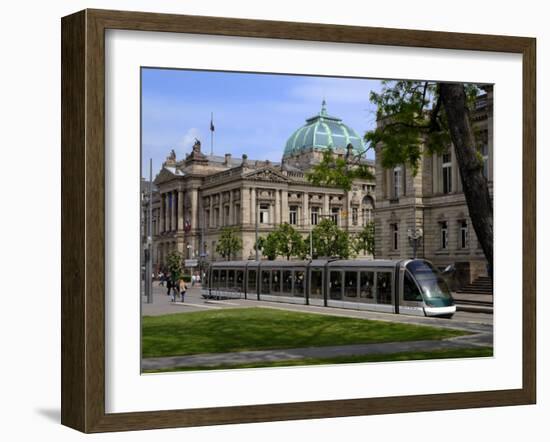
223 279
287 282
366 285
215 279
276 281
383 287
350 284
231 280
410 289
298 283
239 280
316 290
336 284
265 282
251 280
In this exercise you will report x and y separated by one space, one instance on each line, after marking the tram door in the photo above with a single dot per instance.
316 286
410 297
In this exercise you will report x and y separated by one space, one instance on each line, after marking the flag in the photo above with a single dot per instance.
212 123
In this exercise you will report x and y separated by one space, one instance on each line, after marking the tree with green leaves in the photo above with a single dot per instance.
329 240
284 241
267 245
174 262
289 241
364 241
418 118
339 172
229 243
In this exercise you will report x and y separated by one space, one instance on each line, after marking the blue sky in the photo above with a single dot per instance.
253 113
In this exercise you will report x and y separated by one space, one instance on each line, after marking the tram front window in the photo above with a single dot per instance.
410 290
434 288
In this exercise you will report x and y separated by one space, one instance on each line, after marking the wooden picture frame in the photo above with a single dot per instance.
83 220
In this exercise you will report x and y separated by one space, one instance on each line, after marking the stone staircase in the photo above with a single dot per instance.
481 286
476 296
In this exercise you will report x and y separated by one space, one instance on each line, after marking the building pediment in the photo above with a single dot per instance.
267 174
167 174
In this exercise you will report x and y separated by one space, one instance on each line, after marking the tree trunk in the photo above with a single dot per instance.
475 187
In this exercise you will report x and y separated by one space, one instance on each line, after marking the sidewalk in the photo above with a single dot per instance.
246 357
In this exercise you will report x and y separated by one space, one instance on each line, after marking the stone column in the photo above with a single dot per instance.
277 207
220 210
194 209
211 214
253 206
173 196
230 220
306 219
180 210
162 210
284 206
245 205
326 205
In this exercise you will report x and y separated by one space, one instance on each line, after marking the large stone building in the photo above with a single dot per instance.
432 206
198 195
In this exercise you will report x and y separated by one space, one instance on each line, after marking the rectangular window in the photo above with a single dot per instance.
266 276
350 285
276 282
231 279
216 217
264 213
298 283
251 287
444 235
397 182
383 287
226 220
354 216
215 279
447 173
316 290
334 215
314 216
207 218
287 283
335 284
395 236
239 278
292 215
463 234
366 286
223 279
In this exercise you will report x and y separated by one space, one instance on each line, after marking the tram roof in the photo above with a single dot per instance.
312 263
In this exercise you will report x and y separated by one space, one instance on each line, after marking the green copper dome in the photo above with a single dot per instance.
322 132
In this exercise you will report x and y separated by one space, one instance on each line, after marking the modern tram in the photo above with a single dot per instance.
406 286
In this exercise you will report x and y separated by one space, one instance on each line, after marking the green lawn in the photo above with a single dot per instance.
477 352
230 330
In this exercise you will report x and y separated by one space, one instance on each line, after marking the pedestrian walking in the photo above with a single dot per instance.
182 289
193 278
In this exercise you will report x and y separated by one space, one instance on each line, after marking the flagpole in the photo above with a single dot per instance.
212 133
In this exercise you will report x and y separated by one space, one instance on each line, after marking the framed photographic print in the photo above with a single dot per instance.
268 221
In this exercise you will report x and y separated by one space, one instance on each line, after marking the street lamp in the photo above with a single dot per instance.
415 237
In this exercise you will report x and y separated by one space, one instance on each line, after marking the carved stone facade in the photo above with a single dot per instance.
197 196
433 202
